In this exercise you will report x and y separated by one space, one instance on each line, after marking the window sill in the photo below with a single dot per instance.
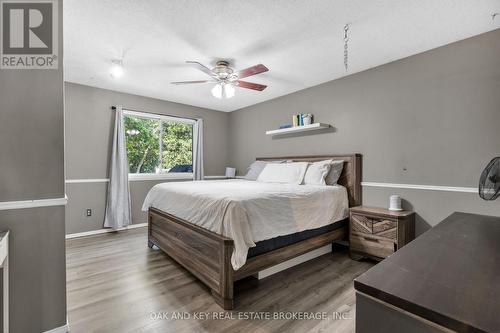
163 176
214 177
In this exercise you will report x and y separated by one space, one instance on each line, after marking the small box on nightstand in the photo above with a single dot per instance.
378 232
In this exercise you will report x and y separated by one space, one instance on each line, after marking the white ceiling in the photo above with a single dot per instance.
299 41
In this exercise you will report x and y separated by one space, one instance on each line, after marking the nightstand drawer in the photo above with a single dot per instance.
361 224
385 228
374 226
372 246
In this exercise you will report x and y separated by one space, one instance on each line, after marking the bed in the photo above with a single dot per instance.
221 231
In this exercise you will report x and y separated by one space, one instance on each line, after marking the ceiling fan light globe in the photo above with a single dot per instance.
217 91
229 90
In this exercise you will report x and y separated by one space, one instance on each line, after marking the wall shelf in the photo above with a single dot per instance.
297 129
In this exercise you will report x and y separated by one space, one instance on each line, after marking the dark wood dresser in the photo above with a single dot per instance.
448 279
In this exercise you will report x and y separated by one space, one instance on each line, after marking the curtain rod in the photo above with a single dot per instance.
159 114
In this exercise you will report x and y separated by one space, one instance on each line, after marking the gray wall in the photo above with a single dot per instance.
89 124
93 195
429 119
432 119
32 167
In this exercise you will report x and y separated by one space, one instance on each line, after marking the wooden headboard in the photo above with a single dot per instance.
350 177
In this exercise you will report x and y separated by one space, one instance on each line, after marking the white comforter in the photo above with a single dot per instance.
250 211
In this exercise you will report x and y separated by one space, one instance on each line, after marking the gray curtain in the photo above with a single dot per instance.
118 208
198 171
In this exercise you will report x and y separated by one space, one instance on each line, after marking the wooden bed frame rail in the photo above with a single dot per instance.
207 255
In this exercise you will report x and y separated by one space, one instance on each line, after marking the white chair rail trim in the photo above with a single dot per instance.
138 178
9 205
422 187
365 184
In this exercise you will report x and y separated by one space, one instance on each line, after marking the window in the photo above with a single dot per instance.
158 145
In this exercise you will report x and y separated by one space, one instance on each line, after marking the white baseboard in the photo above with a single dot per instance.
294 261
103 231
61 329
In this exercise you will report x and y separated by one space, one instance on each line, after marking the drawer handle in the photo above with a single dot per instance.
371 239
178 235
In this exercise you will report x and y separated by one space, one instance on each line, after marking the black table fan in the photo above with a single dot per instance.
489 183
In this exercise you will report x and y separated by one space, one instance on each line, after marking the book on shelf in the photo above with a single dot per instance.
298 119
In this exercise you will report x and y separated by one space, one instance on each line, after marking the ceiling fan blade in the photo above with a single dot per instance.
254 70
191 82
250 85
202 68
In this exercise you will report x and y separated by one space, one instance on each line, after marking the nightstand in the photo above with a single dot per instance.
378 232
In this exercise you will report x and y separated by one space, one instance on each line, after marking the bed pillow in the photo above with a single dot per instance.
256 168
286 173
335 171
317 172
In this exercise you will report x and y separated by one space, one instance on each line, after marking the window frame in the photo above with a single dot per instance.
161 118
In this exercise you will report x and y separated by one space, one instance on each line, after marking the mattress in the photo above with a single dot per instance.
269 245
248 211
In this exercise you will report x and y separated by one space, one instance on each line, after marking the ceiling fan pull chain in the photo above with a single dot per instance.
346 47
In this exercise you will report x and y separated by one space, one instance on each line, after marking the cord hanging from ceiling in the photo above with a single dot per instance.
346 47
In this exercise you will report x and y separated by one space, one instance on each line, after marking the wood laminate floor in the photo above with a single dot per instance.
115 283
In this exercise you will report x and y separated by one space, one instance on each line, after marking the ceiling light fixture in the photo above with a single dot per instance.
116 71
226 80
223 90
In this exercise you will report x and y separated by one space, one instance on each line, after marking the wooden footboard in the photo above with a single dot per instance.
205 254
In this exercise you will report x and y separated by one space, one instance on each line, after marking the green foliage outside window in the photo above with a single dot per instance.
177 144
143 144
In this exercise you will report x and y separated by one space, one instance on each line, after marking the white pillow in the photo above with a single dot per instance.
256 168
287 173
317 172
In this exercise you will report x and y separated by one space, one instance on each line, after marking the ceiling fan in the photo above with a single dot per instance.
226 79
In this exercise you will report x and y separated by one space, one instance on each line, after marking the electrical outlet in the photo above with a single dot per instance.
88 212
